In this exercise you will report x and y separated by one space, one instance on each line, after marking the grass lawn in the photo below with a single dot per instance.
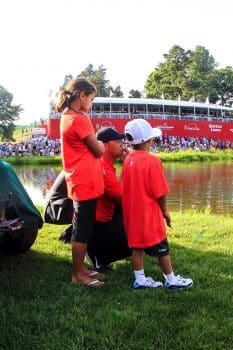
40 309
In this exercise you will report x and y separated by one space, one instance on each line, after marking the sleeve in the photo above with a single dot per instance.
83 126
112 186
158 183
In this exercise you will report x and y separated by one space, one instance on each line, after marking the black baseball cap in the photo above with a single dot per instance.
109 134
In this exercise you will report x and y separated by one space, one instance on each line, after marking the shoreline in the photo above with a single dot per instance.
181 156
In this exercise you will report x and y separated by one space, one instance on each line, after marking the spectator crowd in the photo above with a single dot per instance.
39 147
177 143
49 147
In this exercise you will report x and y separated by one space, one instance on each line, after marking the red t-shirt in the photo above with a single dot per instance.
105 205
83 172
143 183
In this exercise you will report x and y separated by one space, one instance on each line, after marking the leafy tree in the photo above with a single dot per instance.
97 77
88 72
222 85
135 94
190 74
8 114
117 92
169 78
67 78
200 69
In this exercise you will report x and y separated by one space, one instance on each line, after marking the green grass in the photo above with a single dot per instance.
35 160
190 156
40 309
182 156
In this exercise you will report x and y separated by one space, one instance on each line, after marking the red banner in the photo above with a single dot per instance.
189 128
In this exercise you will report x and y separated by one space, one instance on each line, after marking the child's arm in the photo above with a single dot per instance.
163 206
95 147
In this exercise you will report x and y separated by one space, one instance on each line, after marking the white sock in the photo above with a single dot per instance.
170 276
139 275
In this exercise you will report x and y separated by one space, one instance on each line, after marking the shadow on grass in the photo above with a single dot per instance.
40 309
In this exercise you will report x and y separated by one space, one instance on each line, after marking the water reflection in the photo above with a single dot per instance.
37 181
194 186
201 185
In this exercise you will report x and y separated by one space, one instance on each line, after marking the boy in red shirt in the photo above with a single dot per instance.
144 207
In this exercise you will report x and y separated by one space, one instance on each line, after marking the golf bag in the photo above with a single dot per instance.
108 243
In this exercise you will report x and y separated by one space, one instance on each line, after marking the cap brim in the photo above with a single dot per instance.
121 136
156 132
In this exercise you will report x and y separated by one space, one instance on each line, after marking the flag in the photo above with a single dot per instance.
219 102
207 100
111 92
192 99
179 97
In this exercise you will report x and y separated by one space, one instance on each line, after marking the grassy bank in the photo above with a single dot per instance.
35 160
184 156
190 156
40 309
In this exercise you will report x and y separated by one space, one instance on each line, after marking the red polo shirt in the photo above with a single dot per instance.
83 172
143 183
105 205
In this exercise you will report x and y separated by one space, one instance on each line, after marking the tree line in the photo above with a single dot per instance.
190 74
98 78
183 74
9 113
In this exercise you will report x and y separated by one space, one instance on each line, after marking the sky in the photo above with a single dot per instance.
43 40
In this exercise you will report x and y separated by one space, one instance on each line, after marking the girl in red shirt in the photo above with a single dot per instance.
80 157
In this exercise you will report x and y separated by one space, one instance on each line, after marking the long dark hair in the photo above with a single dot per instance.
72 90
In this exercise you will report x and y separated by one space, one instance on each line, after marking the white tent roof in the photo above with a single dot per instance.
154 101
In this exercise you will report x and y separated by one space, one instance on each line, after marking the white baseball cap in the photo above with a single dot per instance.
141 131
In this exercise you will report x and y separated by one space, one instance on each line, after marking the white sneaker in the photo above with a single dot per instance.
179 282
148 283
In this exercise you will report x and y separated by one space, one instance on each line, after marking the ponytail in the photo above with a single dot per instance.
73 89
63 101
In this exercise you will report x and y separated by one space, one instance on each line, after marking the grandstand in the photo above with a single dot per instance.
177 118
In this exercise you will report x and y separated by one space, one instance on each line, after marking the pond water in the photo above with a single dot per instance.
196 186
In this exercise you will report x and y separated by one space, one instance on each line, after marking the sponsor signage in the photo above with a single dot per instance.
191 127
219 131
39 131
215 127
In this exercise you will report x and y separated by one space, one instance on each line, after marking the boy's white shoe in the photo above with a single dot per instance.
147 283
179 282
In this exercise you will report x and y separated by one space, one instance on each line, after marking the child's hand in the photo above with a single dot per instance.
102 147
167 218
125 152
